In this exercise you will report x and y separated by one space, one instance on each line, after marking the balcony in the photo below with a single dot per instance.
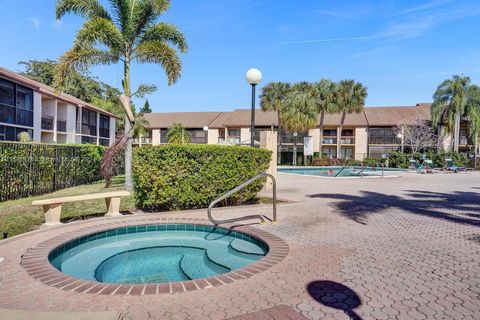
329 140
47 123
142 140
465 141
384 140
61 126
233 139
347 140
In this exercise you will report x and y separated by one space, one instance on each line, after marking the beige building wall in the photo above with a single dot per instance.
315 133
212 137
361 143
445 140
268 140
244 134
155 137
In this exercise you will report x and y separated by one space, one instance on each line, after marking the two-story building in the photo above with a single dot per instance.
30 106
370 133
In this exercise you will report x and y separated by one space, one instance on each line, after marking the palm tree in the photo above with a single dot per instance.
177 134
272 98
299 111
325 104
350 98
449 102
472 111
129 32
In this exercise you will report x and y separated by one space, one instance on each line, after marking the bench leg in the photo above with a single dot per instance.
52 214
113 207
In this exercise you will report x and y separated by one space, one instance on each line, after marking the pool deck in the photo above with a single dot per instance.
405 248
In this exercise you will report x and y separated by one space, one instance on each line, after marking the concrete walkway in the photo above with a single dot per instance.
399 248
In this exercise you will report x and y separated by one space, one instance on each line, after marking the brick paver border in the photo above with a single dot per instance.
36 263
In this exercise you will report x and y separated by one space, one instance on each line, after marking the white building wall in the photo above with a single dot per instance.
71 117
361 143
37 116
155 137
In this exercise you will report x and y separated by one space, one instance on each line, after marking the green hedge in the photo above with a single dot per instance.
28 169
175 177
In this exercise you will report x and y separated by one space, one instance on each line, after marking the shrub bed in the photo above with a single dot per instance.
176 177
28 169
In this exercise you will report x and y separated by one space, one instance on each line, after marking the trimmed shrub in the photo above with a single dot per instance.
28 169
176 177
322 162
398 160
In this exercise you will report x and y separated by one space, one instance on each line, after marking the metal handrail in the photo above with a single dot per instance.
346 165
243 185
368 165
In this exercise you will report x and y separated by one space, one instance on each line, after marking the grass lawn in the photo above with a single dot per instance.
19 216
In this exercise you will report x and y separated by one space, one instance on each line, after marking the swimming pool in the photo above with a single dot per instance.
157 253
352 172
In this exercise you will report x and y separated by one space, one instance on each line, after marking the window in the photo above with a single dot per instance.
16 104
11 133
104 142
376 152
104 126
233 135
221 135
198 136
89 140
382 135
330 152
163 136
89 122
346 153
330 133
347 133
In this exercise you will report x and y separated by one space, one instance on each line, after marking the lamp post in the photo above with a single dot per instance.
205 129
400 136
254 76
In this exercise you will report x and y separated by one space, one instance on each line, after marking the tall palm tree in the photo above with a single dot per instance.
449 101
177 134
472 111
272 98
129 32
325 104
350 98
299 112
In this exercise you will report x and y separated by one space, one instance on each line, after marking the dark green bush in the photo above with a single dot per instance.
398 160
29 169
175 177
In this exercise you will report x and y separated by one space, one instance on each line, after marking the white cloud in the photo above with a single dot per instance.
425 6
35 22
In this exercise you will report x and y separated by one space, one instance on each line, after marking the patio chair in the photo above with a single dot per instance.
451 167
416 167
430 166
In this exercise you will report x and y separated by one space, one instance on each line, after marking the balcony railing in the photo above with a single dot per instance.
47 123
233 139
61 126
383 140
143 140
329 140
347 140
465 142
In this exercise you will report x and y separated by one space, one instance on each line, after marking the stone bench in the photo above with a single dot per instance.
53 207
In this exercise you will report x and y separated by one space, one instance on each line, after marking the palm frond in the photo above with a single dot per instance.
122 15
166 32
299 112
88 9
273 95
144 89
99 31
79 60
160 53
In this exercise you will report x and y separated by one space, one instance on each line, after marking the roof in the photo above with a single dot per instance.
241 118
371 116
48 91
187 119
386 116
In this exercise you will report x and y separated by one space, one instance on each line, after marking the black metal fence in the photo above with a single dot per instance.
29 169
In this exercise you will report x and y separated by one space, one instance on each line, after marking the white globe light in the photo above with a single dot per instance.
205 128
254 76
399 136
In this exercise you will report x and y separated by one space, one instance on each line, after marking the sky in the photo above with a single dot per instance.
400 50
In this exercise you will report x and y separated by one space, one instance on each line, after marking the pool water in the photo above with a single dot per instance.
157 253
324 171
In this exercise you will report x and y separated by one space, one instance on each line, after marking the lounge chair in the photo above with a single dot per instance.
451 167
416 167
430 167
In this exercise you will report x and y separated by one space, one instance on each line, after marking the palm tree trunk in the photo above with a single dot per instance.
456 137
339 136
279 138
320 146
295 149
128 126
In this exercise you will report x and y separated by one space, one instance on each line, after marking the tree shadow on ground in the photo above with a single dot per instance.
459 207
335 295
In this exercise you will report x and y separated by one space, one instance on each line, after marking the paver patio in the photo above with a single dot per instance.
399 248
